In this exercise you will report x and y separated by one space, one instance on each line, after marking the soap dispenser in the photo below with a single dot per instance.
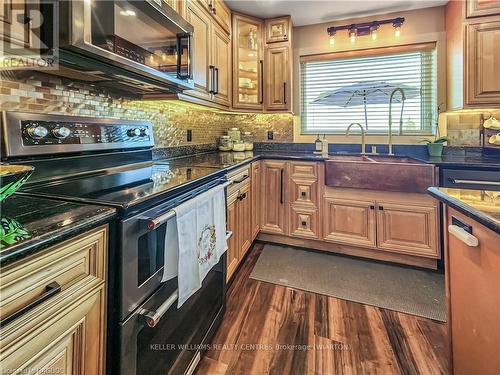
324 145
318 146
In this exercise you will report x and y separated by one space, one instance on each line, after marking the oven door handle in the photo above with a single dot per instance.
474 182
153 317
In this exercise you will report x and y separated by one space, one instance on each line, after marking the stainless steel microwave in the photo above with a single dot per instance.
140 44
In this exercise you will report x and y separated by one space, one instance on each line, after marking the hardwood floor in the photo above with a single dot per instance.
271 329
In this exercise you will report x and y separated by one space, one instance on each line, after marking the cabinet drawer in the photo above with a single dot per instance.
307 170
304 192
304 222
240 178
80 259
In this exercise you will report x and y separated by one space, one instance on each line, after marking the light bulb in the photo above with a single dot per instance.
397 31
332 40
352 35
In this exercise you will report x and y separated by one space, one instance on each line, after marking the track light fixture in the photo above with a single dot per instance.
366 28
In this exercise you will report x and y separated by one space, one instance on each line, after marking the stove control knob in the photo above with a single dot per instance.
37 131
144 132
61 132
134 132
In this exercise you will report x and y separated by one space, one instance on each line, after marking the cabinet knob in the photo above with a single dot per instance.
304 223
303 194
372 207
381 208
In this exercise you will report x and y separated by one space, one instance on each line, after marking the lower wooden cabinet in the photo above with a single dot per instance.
274 204
473 277
239 219
255 197
349 221
407 229
65 334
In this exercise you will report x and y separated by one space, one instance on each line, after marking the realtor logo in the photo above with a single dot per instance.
29 34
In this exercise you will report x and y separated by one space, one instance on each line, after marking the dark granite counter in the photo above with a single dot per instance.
30 224
481 205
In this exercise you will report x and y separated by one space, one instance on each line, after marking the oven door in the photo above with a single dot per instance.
159 338
139 38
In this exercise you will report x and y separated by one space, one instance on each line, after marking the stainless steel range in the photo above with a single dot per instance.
109 162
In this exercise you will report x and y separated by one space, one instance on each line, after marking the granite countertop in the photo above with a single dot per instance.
480 205
36 223
231 160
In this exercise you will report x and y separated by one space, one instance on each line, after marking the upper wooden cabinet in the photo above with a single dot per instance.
211 59
478 8
277 79
219 11
483 62
180 6
247 63
262 72
278 29
472 56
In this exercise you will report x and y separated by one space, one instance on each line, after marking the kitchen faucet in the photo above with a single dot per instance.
362 135
403 98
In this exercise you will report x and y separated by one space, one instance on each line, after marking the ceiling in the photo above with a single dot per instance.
308 12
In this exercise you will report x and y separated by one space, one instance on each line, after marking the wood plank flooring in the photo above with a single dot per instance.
271 329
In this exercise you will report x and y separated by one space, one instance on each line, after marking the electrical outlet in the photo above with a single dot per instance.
270 135
189 135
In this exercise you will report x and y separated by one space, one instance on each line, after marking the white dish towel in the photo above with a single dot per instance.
201 240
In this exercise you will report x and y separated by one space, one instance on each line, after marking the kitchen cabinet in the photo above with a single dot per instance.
15 34
478 8
219 12
65 331
404 228
274 207
255 198
278 29
221 62
239 217
483 59
277 79
212 57
248 62
473 276
180 6
472 56
349 221
233 257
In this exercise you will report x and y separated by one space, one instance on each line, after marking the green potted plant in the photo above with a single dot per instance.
435 147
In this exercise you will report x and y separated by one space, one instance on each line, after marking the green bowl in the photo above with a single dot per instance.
12 177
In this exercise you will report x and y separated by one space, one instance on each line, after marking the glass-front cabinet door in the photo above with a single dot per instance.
247 62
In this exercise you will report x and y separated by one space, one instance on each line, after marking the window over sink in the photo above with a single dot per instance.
355 86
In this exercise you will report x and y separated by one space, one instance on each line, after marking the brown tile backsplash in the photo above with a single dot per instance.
463 127
39 92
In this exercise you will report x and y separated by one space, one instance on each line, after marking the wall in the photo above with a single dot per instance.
422 25
38 92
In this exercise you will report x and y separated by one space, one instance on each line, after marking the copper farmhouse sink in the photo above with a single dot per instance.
379 172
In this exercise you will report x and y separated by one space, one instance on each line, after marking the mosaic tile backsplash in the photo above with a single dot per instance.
39 92
463 127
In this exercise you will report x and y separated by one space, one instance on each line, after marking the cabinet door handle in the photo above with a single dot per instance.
216 79
284 92
381 208
372 207
245 177
281 185
50 290
463 235
304 223
211 78
261 62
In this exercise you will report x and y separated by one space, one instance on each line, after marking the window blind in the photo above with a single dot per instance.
327 107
